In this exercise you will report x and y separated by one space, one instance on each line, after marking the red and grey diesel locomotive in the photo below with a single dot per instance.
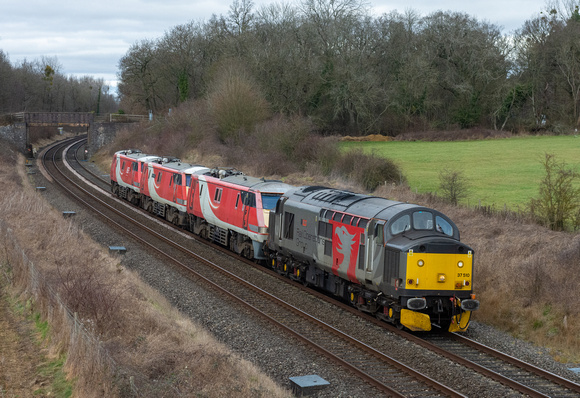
402 262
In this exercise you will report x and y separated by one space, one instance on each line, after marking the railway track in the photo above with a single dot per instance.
371 364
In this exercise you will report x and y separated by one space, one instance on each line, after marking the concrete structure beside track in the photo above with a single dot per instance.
18 129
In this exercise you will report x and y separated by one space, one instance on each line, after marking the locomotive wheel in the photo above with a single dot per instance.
248 251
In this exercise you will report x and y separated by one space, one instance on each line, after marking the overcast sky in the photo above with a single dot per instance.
89 37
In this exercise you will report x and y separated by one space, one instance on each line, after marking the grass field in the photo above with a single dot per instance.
501 172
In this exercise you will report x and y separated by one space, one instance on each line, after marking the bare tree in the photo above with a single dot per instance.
453 186
559 196
139 72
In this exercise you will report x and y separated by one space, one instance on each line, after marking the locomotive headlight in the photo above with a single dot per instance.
420 263
441 278
460 264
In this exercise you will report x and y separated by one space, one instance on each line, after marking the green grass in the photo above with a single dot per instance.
59 386
501 172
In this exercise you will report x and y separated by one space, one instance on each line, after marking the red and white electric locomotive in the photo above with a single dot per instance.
233 209
126 173
166 183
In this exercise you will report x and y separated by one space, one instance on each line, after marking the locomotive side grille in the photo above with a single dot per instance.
392 260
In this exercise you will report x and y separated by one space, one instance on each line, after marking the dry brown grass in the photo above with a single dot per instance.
153 348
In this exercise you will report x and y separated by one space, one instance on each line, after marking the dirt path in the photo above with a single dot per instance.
20 355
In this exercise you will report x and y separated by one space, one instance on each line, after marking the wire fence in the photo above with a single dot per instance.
82 348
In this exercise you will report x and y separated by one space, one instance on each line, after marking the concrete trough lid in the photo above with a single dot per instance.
68 213
117 249
307 385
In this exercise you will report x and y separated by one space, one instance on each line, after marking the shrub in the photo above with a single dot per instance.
453 185
235 102
368 169
558 203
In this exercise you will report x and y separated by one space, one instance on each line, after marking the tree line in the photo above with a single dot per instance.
40 86
351 72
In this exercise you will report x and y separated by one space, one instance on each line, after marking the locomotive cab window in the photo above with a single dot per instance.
422 220
248 199
269 200
400 225
378 232
441 225
158 177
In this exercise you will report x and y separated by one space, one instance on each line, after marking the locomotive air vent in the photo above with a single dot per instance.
313 189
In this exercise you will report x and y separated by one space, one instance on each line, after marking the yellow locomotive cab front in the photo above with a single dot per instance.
439 271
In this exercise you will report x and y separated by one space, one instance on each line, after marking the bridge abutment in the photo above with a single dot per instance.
101 134
16 135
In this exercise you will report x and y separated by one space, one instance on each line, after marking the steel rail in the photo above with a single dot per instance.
516 362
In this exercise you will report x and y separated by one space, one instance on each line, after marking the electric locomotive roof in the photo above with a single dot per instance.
137 155
184 167
258 184
147 158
